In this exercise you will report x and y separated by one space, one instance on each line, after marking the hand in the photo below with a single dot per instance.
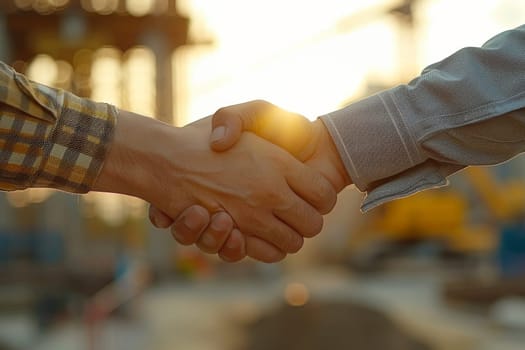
214 235
308 141
257 183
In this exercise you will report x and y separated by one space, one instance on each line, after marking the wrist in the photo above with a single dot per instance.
335 170
127 169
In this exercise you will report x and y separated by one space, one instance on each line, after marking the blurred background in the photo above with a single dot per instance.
444 269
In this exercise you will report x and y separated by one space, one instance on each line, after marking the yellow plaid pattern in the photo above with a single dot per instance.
49 137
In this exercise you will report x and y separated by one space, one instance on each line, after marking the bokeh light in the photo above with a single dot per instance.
139 81
104 7
139 7
20 199
23 4
296 294
43 69
106 76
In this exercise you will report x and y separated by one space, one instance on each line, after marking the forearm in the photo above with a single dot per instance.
388 134
136 156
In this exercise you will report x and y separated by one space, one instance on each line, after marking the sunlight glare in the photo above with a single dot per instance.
445 28
313 57
296 59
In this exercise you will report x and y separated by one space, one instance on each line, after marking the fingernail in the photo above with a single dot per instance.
209 241
176 234
160 220
218 134
153 220
231 244
220 222
192 222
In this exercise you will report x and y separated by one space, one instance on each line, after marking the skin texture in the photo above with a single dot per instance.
266 193
308 141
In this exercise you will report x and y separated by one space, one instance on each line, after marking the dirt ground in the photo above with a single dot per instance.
317 326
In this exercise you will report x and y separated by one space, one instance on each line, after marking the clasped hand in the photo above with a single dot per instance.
249 197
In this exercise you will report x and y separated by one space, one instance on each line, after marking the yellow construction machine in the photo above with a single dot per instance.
444 215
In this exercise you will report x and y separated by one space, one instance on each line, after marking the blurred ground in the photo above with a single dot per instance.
212 315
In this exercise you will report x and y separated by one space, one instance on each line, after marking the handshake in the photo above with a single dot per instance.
251 180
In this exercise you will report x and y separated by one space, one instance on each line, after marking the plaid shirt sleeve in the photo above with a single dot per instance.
49 137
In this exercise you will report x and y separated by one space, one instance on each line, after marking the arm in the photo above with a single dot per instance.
54 139
467 109
257 183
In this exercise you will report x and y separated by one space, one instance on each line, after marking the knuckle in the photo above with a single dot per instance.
277 257
265 232
215 235
275 197
207 248
233 250
325 195
307 221
221 113
260 103
282 159
286 204
209 242
230 256
314 225
270 258
183 238
262 251
152 213
329 201
293 243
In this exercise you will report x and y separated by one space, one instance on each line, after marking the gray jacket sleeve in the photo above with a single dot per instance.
468 109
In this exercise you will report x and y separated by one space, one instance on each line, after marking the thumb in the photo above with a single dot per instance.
227 127
290 131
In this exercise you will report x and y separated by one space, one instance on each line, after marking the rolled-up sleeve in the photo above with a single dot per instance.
49 137
465 110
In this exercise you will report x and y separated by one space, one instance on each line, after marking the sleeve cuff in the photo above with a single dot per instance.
372 140
75 151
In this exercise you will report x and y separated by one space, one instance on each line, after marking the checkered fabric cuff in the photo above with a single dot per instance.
49 137
74 152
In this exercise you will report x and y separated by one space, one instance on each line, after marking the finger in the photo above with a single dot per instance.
227 127
290 131
190 224
217 232
278 233
310 185
258 249
234 249
300 216
261 250
158 218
